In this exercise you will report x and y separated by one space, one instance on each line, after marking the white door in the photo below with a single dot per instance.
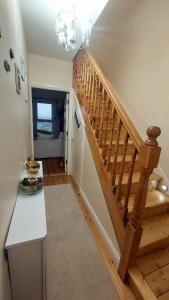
66 122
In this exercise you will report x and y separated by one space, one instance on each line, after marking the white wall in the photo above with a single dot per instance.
45 71
14 124
85 174
50 73
130 42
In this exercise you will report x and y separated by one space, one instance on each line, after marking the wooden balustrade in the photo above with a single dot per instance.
122 151
149 158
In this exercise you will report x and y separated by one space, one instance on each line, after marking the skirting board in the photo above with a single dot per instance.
110 246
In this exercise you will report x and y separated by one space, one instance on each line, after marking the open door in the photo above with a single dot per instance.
66 122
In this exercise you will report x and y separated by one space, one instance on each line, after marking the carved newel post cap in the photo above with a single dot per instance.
152 132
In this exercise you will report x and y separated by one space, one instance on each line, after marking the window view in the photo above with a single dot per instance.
44 118
44 111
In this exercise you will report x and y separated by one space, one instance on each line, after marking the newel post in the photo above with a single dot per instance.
148 158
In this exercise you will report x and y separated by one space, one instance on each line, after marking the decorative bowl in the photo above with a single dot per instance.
31 185
33 166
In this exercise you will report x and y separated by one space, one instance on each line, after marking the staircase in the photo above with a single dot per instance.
125 165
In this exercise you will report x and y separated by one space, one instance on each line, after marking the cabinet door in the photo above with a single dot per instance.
26 271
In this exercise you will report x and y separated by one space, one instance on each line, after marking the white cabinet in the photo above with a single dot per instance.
26 247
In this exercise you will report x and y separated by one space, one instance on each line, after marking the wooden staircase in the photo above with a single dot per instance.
125 165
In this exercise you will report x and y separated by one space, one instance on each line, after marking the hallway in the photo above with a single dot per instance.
53 166
75 270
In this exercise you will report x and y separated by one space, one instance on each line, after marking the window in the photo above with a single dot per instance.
44 118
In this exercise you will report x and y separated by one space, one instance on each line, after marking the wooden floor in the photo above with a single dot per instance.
56 179
123 290
154 268
53 166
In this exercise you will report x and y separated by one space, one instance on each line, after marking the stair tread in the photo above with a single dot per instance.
155 229
154 260
135 178
154 198
154 268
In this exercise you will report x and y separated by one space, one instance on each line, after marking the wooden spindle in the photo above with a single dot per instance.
95 101
118 193
149 158
89 88
107 113
82 77
84 81
113 170
109 152
102 118
91 100
125 209
98 110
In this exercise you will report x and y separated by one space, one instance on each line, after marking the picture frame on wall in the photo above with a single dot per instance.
22 69
17 79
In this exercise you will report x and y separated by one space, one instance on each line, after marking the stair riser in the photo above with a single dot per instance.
120 149
127 167
153 211
151 247
108 135
133 188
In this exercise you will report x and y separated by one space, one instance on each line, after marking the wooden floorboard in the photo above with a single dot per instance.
139 285
159 280
154 268
164 296
153 261
56 179
53 166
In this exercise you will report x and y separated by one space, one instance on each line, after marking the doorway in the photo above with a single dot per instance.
50 118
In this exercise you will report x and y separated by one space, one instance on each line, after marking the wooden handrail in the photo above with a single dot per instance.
123 161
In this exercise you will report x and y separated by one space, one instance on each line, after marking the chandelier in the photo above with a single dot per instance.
67 30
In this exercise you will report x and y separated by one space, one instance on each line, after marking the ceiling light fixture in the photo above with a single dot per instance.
67 31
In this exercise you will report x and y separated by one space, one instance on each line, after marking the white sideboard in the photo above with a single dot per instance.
25 245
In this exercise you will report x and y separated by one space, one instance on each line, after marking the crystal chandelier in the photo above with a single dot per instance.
66 30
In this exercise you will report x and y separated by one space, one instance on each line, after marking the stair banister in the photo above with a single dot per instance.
111 135
149 158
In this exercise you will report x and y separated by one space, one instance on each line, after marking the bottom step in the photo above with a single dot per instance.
154 268
139 286
155 233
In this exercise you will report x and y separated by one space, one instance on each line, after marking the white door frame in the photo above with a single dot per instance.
55 88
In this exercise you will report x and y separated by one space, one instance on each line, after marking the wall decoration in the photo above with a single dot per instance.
22 69
7 66
26 87
17 79
11 53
